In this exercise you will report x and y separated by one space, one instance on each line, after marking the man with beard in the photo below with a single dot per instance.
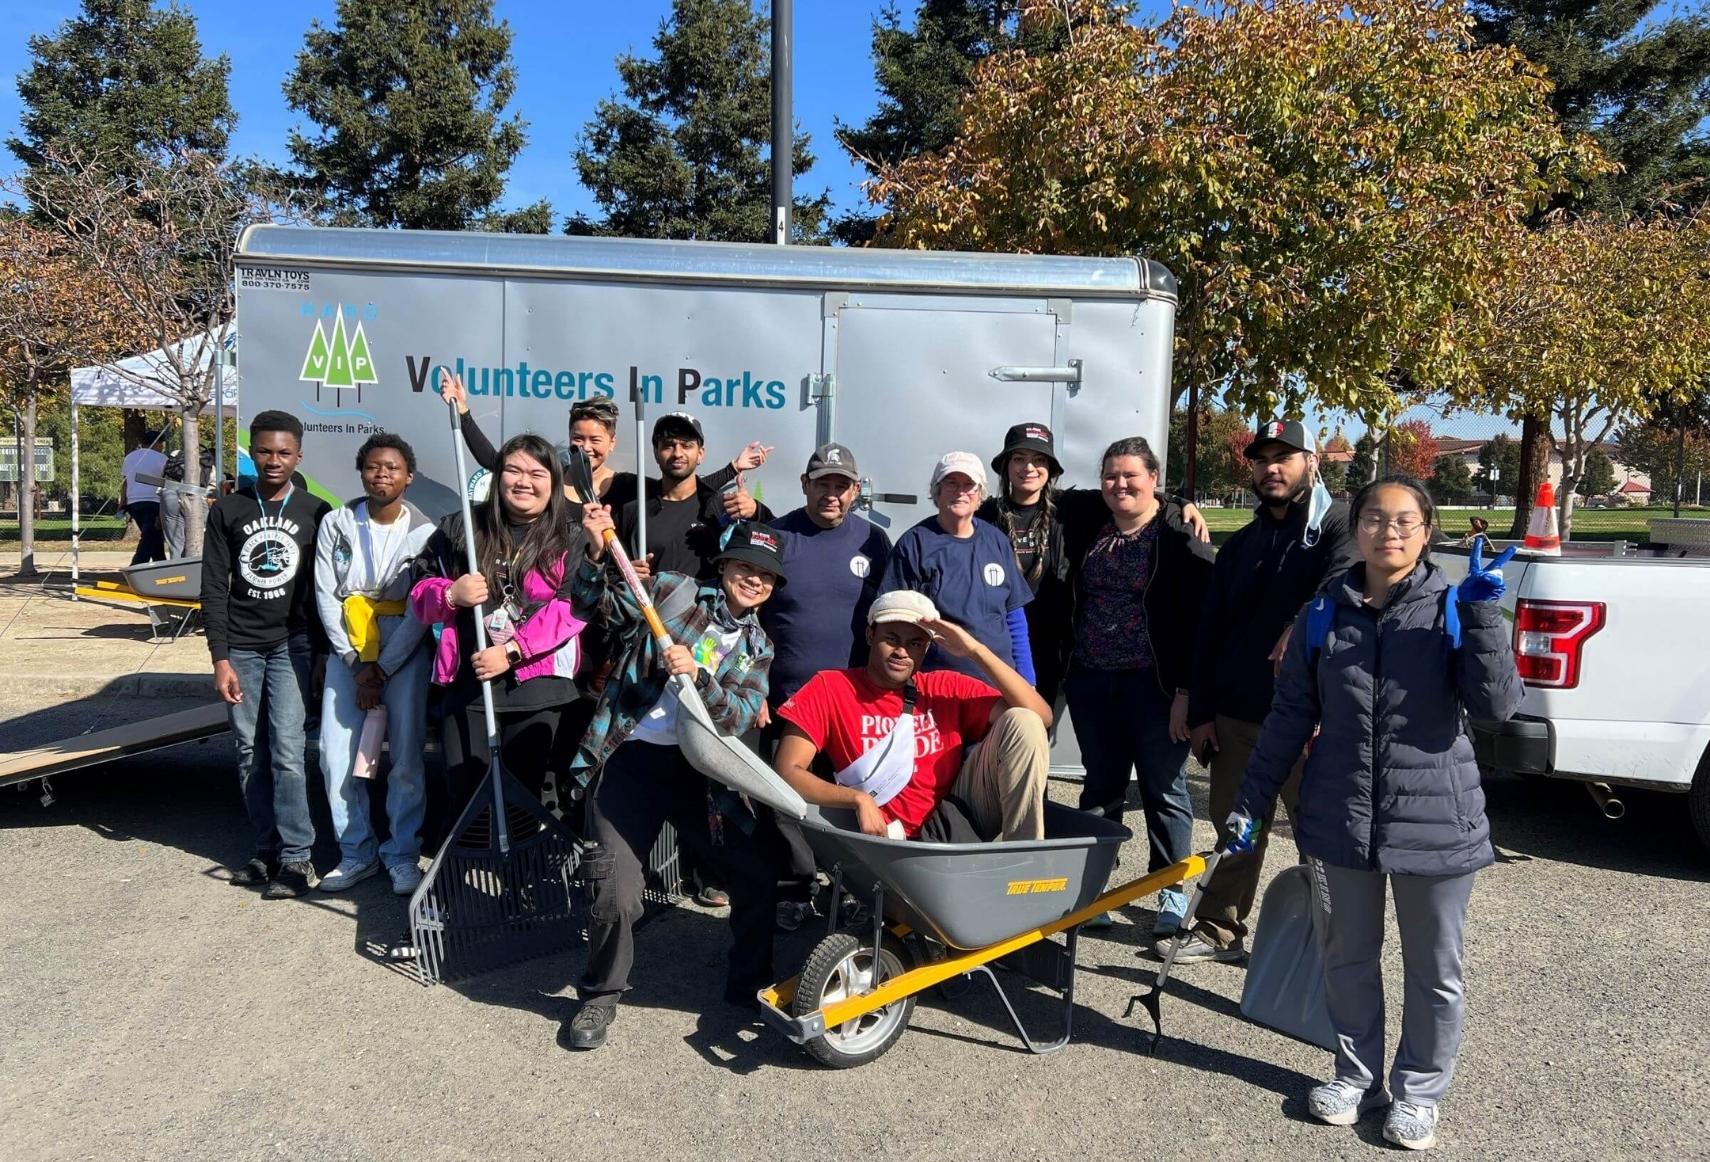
686 514
1265 574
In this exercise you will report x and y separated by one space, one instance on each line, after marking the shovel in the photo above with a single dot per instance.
1152 998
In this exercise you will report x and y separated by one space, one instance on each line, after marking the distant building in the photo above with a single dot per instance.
1469 451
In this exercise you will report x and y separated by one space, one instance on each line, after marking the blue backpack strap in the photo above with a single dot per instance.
1320 617
1452 618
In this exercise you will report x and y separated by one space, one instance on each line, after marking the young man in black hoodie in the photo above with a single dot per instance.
258 579
1265 574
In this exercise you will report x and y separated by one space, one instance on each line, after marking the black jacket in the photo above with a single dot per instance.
1265 575
1181 572
709 520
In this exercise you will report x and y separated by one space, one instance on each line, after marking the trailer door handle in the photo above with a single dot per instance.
867 497
1069 374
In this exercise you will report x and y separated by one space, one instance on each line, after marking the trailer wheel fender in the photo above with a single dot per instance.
1700 801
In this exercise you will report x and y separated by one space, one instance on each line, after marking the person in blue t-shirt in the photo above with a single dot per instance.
967 567
835 560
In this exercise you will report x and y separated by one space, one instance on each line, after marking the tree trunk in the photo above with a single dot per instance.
1534 467
1573 471
27 489
196 509
1679 467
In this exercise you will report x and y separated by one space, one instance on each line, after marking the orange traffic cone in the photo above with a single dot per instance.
1543 535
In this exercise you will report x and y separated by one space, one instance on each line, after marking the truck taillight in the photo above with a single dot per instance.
1548 639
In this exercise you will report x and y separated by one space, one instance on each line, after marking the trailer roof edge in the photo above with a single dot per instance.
638 259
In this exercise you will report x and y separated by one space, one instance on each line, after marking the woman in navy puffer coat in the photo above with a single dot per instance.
1390 792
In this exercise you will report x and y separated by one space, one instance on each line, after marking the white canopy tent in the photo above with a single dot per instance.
148 382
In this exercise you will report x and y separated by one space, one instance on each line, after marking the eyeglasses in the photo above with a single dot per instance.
958 486
1376 522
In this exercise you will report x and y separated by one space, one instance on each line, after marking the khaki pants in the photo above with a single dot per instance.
1229 896
1003 778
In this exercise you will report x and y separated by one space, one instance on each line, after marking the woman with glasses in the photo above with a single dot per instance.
1386 664
529 550
967 567
1139 573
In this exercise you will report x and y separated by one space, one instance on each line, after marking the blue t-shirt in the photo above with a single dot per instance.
818 620
974 583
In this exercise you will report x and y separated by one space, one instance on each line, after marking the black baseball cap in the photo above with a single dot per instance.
1289 433
1028 437
755 544
677 424
832 460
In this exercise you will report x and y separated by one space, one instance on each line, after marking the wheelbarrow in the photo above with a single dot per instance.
170 592
943 911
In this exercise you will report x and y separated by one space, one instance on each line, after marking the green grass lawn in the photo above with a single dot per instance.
95 528
1589 524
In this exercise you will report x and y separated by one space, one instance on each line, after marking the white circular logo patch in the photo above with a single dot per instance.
268 559
480 484
860 565
994 575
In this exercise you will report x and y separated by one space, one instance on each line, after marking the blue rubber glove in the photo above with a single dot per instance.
1484 583
1243 829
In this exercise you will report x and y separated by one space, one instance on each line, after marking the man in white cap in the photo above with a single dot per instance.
896 736
967 567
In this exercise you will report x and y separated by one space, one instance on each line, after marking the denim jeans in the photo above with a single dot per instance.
274 682
1122 721
405 698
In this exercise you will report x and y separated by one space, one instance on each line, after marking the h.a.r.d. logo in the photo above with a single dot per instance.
341 362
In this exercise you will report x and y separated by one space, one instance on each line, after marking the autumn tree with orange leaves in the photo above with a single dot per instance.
55 314
1325 180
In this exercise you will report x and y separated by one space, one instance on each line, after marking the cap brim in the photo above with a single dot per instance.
753 557
1002 458
834 470
906 615
1257 446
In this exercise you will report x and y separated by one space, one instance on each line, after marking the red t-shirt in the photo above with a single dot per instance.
846 714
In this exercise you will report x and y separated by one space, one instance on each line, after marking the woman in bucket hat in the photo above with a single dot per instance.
1024 508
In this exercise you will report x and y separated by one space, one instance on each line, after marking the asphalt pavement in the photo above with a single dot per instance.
150 1010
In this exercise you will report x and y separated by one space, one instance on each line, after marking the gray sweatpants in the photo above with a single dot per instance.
1431 912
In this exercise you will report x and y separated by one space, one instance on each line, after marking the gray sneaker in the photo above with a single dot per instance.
1342 1103
1413 1127
1196 947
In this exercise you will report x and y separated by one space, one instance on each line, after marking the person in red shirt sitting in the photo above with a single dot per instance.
897 735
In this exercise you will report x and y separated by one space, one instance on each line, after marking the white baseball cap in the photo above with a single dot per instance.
902 605
966 463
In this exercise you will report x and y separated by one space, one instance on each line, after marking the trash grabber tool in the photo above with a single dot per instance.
1151 999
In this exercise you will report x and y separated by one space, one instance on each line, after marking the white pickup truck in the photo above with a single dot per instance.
1613 644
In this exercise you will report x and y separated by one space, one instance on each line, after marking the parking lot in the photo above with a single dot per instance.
149 1010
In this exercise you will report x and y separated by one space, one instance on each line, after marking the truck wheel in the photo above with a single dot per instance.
840 967
1700 805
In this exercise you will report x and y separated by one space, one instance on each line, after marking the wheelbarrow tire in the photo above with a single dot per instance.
837 967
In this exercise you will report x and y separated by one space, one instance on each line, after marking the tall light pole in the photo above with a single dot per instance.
783 145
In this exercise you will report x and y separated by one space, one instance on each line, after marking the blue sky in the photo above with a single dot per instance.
564 51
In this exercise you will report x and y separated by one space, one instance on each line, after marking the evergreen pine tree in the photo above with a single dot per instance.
409 97
1633 73
684 153
122 80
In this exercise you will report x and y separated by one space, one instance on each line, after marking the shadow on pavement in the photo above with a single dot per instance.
1556 820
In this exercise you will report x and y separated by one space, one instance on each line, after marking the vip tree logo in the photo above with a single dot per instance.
341 363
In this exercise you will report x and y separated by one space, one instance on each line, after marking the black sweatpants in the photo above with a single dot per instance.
643 787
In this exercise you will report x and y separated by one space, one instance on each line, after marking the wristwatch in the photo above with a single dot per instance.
513 653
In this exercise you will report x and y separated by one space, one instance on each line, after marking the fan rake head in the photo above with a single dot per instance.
482 907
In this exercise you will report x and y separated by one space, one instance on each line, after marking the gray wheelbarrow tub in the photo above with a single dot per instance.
971 895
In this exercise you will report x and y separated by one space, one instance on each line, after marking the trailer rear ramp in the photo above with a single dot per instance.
132 738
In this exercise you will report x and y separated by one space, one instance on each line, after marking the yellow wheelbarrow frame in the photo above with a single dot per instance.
1052 965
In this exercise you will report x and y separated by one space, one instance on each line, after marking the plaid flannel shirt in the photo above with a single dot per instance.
733 695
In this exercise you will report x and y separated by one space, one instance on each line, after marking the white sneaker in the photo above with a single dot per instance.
348 874
1342 1103
406 878
1413 1127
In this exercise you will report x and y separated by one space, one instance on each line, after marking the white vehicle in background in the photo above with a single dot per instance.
1613 644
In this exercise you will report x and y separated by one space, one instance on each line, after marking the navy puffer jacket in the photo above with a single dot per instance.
1391 784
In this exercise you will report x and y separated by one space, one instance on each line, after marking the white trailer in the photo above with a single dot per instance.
900 355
